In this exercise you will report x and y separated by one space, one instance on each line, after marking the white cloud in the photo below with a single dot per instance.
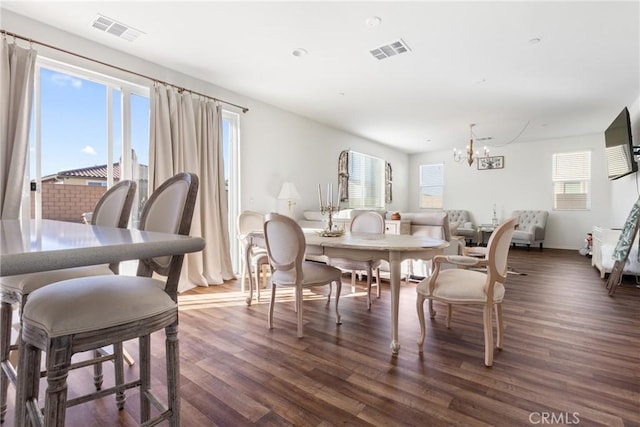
65 79
89 150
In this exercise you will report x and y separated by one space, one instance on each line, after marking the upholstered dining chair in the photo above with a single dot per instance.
470 286
113 210
365 222
286 246
249 221
82 314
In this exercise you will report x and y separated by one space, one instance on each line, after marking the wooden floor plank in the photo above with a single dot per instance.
569 350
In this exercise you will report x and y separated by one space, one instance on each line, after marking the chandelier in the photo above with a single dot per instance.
468 154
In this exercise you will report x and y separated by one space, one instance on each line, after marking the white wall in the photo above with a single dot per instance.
525 183
278 146
275 145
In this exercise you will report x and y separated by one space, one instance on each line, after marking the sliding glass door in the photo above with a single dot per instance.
83 123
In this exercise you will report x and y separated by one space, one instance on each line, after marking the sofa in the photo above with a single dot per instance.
531 227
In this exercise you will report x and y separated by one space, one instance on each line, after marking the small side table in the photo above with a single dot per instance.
484 231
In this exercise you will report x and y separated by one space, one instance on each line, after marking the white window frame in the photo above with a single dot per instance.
369 193
126 89
234 185
571 171
431 183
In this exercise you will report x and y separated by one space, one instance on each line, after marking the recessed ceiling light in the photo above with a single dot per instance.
299 52
373 21
481 81
535 40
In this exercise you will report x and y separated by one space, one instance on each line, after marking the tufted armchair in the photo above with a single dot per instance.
460 224
531 227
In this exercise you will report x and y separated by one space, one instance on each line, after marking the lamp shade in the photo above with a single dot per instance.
288 192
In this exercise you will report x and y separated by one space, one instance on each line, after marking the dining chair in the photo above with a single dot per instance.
469 286
83 314
365 222
113 210
248 222
286 245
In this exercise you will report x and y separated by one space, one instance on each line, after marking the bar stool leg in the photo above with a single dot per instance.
28 384
118 350
6 312
145 377
58 363
173 378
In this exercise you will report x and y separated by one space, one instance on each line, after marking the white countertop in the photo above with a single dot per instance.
50 245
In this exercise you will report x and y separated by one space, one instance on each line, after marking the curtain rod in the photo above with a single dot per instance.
180 89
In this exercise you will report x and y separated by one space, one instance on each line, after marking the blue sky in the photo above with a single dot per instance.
74 123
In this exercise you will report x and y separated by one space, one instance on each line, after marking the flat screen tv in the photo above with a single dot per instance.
619 148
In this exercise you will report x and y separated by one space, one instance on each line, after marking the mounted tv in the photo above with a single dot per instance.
619 148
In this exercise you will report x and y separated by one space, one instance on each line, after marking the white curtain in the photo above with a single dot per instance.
186 136
17 67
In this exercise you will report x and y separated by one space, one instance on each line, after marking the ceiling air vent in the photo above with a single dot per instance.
116 28
391 49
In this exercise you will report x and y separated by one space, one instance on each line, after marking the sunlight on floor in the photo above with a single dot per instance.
237 298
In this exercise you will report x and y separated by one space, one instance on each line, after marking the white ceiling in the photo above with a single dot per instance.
470 62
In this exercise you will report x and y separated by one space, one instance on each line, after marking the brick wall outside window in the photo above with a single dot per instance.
67 202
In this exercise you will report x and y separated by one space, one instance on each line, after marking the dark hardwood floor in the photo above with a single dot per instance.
571 356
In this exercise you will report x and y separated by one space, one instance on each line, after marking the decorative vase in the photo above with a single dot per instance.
395 215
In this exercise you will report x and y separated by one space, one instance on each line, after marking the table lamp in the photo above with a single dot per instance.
289 193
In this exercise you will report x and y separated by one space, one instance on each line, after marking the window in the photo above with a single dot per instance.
366 181
431 186
84 122
571 178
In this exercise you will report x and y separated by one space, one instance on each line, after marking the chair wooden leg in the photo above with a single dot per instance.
257 280
271 303
338 291
58 363
118 350
299 310
128 358
353 281
432 312
499 326
173 374
369 280
97 370
243 276
488 334
421 320
6 313
449 310
28 383
144 345
378 283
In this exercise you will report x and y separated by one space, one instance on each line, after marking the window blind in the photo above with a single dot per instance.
366 181
571 177
431 186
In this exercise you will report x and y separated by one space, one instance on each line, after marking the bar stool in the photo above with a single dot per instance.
113 210
83 314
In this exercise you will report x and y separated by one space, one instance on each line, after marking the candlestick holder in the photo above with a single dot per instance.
330 208
494 219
